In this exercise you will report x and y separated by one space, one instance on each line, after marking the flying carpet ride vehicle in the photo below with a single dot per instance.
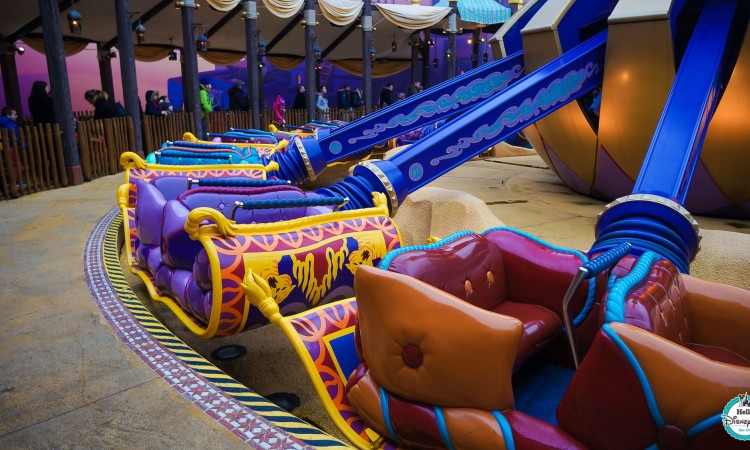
182 242
631 351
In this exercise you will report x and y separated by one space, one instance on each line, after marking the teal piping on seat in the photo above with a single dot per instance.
611 282
615 309
653 408
505 429
704 425
592 283
386 261
387 413
443 428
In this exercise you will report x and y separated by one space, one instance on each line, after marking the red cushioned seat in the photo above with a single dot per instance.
503 272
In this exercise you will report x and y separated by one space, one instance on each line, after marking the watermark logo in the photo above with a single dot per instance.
736 417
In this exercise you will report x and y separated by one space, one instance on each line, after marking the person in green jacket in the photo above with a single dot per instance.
205 100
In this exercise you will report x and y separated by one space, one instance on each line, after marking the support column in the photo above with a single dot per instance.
127 69
366 57
190 60
475 36
310 62
415 56
105 70
426 63
10 76
250 14
58 80
452 30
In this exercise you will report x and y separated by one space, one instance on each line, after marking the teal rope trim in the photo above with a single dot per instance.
653 408
443 428
611 282
704 425
292 202
592 282
386 261
387 413
506 429
615 309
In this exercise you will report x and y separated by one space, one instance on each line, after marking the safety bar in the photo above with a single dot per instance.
189 154
338 202
589 269
296 127
223 182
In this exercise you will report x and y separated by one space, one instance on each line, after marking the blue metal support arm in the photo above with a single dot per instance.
448 98
654 211
528 100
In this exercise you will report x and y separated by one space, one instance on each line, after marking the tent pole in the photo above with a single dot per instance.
190 58
250 14
310 62
9 71
367 59
127 69
105 70
452 30
58 81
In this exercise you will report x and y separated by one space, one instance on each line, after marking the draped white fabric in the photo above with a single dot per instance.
223 5
340 12
284 8
413 17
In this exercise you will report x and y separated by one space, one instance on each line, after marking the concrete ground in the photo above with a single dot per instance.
67 381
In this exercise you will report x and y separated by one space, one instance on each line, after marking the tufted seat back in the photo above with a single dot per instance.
222 199
170 186
178 250
657 298
658 304
470 268
502 271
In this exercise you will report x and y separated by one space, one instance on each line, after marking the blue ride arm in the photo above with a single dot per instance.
449 97
659 222
535 96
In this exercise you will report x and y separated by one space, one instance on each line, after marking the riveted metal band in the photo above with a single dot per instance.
306 160
390 191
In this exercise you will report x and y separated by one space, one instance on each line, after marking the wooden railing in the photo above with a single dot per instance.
157 129
33 161
101 142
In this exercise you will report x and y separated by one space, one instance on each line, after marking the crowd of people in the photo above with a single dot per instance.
41 102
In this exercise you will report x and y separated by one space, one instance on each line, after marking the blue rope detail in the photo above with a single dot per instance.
292 202
615 309
611 281
505 429
386 261
245 182
216 146
592 282
387 414
237 182
704 425
653 408
443 428
192 155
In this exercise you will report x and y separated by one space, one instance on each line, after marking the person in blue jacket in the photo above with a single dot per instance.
8 121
